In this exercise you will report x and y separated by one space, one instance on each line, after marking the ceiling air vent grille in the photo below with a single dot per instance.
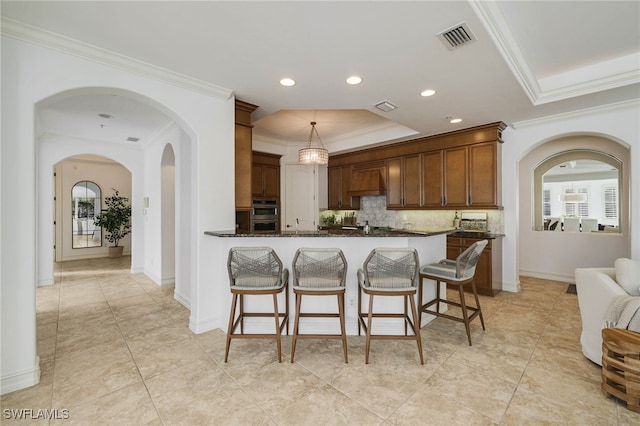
457 36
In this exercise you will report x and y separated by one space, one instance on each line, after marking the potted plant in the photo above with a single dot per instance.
116 221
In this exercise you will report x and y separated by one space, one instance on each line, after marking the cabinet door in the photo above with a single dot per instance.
482 276
243 167
432 183
482 174
455 177
271 181
334 187
346 200
411 179
394 182
257 189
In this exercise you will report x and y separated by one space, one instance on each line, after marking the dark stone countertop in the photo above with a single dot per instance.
483 235
385 232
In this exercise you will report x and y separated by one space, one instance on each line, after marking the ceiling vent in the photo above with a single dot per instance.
385 106
132 139
457 36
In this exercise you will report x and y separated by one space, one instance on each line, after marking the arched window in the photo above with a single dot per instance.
85 199
577 191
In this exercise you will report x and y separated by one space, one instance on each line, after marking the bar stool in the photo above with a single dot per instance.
389 272
256 271
319 272
455 273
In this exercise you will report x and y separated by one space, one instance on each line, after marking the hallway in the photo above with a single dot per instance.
115 349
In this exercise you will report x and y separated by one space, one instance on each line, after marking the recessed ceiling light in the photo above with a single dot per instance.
287 82
455 120
354 79
428 92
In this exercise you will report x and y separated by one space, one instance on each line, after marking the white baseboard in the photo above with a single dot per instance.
168 281
21 379
549 276
199 327
46 282
512 287
182 300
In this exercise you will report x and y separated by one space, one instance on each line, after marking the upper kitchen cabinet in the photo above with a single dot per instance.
453 170
265 175
484 174
404 182
339 186
243 154
433 179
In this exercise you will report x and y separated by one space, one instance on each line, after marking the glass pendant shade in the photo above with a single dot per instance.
313 154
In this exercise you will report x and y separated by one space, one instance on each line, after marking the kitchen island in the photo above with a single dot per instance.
356 245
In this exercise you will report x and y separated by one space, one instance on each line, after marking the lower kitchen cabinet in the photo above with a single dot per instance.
488 277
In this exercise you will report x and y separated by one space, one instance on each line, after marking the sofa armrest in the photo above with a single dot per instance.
596 289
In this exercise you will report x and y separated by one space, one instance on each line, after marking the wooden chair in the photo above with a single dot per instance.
457 273
389 272
319 272
256 271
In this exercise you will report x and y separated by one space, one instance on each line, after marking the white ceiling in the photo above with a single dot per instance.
531 59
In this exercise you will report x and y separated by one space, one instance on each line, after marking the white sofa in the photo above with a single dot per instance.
597 288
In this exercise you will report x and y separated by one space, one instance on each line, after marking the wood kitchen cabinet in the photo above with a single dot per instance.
484 174
265 175
488 276
433 179
339 186
404 176
454 170
466 176
243 154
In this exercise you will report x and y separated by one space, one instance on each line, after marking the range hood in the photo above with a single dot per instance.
367 182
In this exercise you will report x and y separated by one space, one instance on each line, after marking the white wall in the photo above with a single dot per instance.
555 255
619 123
106 175
31 74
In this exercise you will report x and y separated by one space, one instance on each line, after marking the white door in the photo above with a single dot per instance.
300 203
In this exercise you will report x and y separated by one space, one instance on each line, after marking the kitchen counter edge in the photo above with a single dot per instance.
330 233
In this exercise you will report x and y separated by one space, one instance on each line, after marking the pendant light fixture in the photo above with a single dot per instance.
313 154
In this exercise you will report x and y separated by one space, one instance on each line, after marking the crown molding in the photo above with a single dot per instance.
582 81
37 36
634 103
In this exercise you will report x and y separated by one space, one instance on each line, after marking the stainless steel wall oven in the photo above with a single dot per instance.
265 216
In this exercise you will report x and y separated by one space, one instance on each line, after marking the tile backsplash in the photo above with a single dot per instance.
374 209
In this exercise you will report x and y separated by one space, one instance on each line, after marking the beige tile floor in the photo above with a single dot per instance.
115 349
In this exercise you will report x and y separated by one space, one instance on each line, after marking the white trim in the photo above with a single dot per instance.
21 379
40 37
545 276
168 281
633 103
610 74
182 300
46 282
199 327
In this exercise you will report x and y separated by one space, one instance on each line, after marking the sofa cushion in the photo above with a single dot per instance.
628 275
